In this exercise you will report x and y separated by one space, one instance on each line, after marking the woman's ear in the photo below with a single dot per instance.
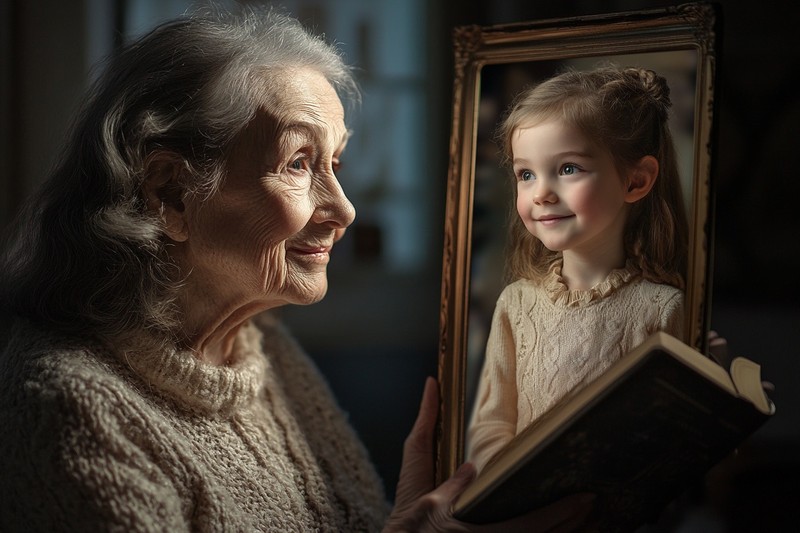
641 178
163 192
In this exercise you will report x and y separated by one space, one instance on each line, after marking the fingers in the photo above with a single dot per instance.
422 433
417 467
418 507
450 489
718 348
715 340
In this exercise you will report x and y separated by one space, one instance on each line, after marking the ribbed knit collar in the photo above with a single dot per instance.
559 293
200 386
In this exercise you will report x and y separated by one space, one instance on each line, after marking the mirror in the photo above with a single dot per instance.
492 64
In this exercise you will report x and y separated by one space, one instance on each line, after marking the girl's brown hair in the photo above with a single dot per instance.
624 110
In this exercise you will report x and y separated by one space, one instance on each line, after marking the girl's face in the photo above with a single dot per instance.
569 192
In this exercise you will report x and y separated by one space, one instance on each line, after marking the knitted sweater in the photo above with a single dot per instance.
95 440
547 340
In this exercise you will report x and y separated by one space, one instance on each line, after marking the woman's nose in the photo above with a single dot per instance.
338 234
334 207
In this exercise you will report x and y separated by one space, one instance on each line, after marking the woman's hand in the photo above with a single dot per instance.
421 508
718 349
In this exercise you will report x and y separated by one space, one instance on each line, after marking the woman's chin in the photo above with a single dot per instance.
310 295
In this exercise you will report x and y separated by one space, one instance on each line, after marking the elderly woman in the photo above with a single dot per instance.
142 386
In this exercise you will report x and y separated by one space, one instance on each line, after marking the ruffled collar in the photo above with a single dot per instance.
559 293
203 387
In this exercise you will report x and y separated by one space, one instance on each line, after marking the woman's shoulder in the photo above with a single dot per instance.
53 390
42 369
31 348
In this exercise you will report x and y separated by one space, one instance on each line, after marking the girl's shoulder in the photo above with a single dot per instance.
657 291
520 287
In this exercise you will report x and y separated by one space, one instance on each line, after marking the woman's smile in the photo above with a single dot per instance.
310 253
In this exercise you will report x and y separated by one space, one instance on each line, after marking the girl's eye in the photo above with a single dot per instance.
526 175
569 169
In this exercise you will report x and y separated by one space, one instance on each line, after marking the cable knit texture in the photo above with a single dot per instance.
547 340
101 441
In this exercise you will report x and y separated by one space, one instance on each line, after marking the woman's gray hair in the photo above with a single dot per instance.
86 256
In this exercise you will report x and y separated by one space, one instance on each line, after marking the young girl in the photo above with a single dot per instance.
598 251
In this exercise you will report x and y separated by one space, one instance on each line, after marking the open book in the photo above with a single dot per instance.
636 437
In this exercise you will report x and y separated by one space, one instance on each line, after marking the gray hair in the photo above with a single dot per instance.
86 256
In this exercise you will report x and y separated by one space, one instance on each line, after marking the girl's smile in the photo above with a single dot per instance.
569 192
549 220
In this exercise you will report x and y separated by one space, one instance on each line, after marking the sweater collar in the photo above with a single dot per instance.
200 386
559 293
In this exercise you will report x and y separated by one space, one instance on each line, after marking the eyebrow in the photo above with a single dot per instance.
312 130
571 153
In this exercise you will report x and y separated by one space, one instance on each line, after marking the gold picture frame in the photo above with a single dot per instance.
490 64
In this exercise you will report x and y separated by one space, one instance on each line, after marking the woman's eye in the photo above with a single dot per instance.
336 165
298 164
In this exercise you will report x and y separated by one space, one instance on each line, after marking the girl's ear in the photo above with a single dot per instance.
163 193
641 178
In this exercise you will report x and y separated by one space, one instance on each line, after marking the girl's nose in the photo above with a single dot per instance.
543 192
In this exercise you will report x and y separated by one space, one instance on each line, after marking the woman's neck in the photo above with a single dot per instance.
212 320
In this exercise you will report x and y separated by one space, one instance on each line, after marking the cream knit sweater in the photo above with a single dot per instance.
547 340
95 441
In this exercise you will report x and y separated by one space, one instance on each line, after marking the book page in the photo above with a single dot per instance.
746 376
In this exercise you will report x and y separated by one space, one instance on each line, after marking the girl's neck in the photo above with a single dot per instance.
582 271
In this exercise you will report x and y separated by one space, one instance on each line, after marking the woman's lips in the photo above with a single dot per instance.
313 253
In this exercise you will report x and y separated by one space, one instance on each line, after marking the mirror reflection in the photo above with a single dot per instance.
492 65
496 419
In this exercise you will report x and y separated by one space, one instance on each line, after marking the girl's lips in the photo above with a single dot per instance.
549 220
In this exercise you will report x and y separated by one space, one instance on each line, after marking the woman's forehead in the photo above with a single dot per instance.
304 96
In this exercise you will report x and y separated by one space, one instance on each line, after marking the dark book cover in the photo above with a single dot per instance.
636 446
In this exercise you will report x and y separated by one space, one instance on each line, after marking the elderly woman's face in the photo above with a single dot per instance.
264 238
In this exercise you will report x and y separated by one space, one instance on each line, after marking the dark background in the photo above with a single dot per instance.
375 337
756 261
